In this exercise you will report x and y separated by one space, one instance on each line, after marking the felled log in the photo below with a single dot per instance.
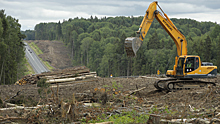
69 79
18 107
11 118
64 80
132 92
65 73
14 106
74 70
13 96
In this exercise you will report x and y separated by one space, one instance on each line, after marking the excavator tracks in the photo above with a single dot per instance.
160 83
173 84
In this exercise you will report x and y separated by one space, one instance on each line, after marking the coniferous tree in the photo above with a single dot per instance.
59 31
11 49
215 32
154 42
207 47
218 55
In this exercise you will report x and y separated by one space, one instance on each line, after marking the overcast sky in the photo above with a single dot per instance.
32 12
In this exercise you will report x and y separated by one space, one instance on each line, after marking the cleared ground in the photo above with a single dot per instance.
113 94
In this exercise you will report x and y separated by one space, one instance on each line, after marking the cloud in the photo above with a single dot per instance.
202 17
32 12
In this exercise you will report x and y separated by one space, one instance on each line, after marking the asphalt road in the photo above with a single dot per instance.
34 60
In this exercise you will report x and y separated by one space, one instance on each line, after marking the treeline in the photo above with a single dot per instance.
99 43
11 49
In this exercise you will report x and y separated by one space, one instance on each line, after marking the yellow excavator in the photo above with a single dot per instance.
186 68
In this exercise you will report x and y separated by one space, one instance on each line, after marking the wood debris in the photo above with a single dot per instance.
65 75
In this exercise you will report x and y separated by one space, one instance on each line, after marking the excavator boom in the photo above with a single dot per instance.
132 44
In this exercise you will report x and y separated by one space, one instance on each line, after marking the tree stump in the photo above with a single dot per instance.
154 119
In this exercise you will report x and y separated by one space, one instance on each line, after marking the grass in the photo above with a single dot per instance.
47 64
37 50
123 118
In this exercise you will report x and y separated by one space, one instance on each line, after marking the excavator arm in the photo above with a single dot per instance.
132 44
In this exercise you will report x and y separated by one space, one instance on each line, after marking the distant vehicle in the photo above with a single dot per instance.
29 50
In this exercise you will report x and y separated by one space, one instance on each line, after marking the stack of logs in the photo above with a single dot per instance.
65 75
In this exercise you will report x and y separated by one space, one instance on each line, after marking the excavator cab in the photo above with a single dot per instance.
190 66
186 65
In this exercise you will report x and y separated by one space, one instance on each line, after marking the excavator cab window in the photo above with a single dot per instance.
190 62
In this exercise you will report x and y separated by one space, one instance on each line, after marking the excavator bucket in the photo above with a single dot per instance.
132 44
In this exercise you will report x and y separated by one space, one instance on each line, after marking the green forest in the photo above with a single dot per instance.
99 43
12 56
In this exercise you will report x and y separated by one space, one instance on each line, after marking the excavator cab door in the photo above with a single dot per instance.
180 66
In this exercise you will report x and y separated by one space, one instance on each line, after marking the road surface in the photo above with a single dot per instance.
34 60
